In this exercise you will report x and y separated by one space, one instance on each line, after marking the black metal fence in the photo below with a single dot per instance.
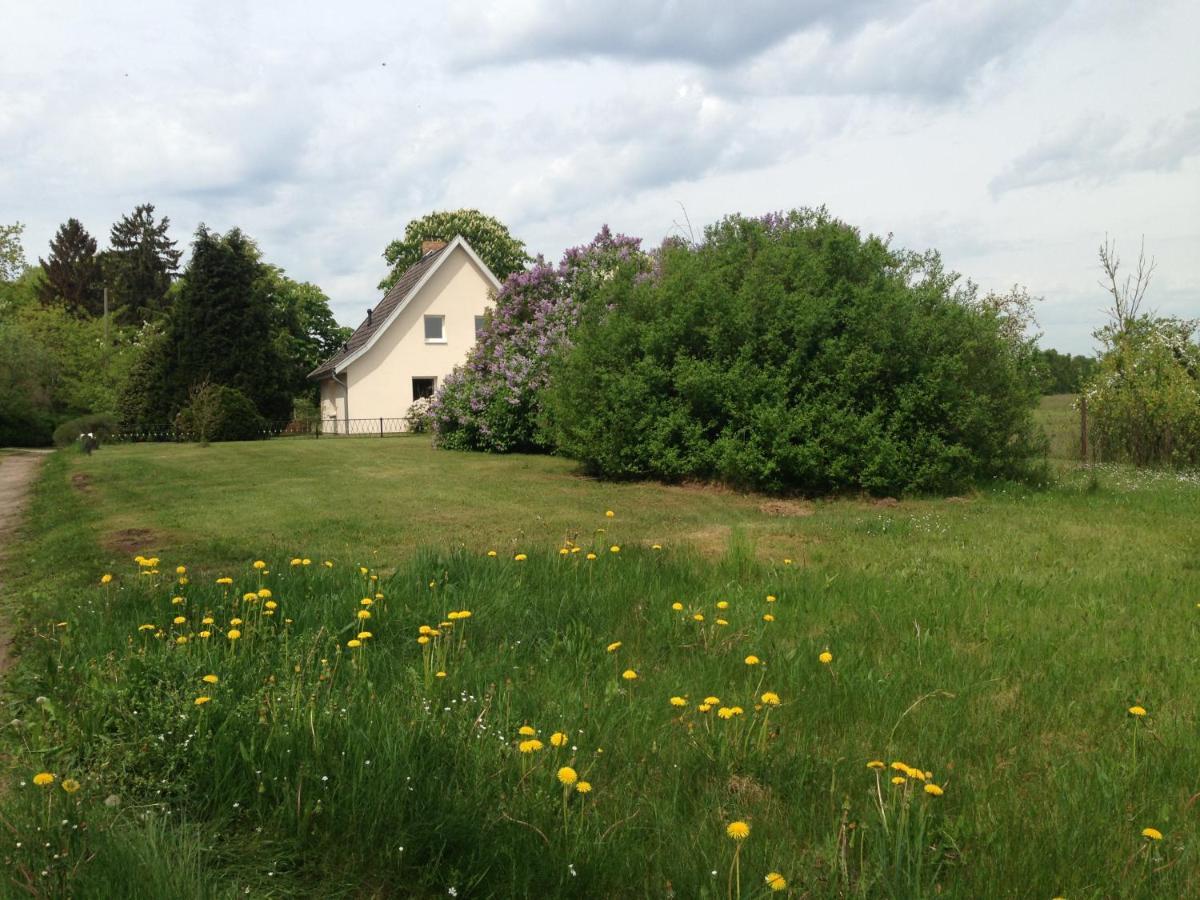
312 428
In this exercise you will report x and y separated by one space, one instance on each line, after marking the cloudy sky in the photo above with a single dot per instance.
1011 135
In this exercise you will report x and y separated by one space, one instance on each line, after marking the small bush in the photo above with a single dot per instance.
219 413
102 425
26 428
791 354
419 419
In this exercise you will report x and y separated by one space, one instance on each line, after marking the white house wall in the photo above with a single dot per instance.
380 381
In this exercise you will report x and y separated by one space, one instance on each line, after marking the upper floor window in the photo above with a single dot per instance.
480 321
435 329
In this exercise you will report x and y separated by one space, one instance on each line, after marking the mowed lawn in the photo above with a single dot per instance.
996 641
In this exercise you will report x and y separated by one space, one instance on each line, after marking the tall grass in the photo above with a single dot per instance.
320 769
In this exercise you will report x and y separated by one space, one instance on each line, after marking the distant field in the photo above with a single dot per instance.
993 644
1060 419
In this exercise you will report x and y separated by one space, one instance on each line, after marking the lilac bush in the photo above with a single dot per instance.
492 401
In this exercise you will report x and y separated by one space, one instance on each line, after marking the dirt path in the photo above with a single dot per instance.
17 472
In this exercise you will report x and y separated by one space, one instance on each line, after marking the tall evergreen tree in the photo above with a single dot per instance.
221 325
140 264
73 272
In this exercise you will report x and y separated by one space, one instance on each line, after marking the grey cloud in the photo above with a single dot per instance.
1098 148
713 33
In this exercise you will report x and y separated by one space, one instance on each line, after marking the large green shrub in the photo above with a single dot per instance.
791 353
1144 402
219 413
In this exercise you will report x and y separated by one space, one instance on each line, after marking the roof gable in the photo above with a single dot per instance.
394 302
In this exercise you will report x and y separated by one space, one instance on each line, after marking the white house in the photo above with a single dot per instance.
419 332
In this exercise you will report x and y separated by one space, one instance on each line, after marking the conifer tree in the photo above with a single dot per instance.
72 273
140 264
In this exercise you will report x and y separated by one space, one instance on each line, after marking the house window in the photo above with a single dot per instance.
435 329
479 323
423 387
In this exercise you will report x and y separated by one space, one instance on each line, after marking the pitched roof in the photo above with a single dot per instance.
379 315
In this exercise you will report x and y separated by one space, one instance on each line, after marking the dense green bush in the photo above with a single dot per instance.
1144 402
790 353
219 413
102 425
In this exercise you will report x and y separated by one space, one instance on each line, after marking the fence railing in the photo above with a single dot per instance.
314 428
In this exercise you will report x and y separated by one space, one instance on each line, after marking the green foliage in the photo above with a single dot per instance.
790 353
1062 373
140 265
488 236
72 272
1144 401
12 253
304 330
102 425
218 413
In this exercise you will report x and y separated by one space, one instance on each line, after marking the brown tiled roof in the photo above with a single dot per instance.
380 313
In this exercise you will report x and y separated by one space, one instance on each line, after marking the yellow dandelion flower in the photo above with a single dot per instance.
225 580
306 561
876 764
531 746
826 658
722 622
206 634
770 698
70 785
591 556
736 710
210 679
353 642
207 620
1152 833
786 561
583 787
105 578
614 549
491 553
771 598
520 557
567 776
898 779
328 564
296 561
1138 711
271 605
752 660
698 617
933 790
899 766
178 620
464 614
775 881
249 597
563 551
725 712
739 830
679 701
615 645
43 779
704 707
264 593
147 627
608 514
366 601
629 675
233 634
423 640
200 701
364 614
182 639
364 635
439 674
656 546
767 617
722 604
259 564
558 739
678 607
527 731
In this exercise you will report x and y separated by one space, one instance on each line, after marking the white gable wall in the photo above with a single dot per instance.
380 381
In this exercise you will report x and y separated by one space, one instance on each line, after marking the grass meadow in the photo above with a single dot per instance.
986 651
